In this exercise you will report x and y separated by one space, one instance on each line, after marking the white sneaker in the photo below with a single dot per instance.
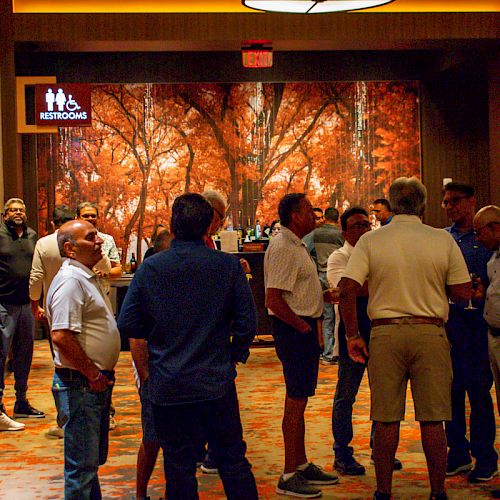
7 424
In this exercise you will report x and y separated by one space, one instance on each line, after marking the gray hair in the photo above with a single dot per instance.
62 238
408 196
11 201
215 198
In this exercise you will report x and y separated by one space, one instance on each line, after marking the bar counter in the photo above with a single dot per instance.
255 260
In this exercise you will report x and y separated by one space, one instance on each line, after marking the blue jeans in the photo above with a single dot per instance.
472 376
17 329
350 375
180 428
84 416
328 322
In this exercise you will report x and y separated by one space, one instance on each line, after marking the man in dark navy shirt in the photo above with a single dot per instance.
468 335
195 308
17 244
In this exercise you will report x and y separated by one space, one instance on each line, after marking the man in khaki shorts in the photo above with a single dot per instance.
409 267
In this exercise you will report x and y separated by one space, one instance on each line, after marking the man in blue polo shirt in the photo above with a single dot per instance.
468 334
195 308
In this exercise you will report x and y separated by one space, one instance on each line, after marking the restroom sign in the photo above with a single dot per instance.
63 105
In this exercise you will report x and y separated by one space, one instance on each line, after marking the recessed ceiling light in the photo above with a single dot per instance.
312 6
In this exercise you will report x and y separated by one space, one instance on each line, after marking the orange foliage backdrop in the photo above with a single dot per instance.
342 143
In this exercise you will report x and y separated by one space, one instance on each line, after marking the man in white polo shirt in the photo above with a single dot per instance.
409 266
86 348
294 300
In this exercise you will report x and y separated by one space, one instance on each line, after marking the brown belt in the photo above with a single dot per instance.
412 320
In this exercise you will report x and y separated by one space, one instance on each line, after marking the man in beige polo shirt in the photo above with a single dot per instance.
409 267
294 300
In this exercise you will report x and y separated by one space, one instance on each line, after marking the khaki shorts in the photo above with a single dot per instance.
420 353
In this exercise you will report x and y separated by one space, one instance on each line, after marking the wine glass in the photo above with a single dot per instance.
473 277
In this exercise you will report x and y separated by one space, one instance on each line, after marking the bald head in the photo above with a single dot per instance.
219 205
487 226
78 240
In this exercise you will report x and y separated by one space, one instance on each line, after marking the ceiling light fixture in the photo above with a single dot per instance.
312 6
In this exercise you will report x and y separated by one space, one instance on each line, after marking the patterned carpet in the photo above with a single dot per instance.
31 464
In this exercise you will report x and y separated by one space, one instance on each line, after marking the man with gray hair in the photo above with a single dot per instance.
17 327
409 267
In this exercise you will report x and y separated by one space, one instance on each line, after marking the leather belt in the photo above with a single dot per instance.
411 320
70 374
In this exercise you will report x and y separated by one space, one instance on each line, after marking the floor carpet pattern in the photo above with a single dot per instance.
31 463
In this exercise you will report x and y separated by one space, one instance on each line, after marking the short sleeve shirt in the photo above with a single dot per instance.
289 267
407 264
76 302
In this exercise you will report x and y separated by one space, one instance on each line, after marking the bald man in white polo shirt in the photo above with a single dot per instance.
86 348
409 266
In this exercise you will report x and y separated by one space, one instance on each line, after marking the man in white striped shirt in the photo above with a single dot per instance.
294 300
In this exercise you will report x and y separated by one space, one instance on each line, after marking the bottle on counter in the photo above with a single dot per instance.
133 263
258 230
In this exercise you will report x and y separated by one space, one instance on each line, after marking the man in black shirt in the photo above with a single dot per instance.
17 243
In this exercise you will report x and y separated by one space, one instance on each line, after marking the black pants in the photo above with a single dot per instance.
181 427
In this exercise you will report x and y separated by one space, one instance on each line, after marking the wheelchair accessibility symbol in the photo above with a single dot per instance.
71 104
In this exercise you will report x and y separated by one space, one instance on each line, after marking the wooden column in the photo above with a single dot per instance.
494 121
10 168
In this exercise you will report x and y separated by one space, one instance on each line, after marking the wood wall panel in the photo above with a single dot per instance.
330 31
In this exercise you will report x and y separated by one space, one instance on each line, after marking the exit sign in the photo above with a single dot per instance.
257 53
257 58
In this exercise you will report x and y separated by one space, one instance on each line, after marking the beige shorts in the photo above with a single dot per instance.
419 353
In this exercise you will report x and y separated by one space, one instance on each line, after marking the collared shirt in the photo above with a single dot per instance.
476 257
110 255
492 305
387 221
76 302
289 267
109 248
407 264
337 262
326 238
16 254
195 308
46 262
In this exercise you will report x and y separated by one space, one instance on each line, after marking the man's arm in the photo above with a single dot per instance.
114 257
70 349
37 274
460 292
277 304
244 324
356 346
139 351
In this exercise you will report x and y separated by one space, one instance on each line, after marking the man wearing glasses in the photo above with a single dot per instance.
467 332
17 325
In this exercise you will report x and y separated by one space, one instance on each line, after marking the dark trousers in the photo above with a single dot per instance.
471 376
350 375
181 427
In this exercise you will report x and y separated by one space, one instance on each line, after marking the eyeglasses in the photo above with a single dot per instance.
453 201
489 226
13 210
360 225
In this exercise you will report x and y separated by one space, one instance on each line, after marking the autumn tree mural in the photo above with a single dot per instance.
340 142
